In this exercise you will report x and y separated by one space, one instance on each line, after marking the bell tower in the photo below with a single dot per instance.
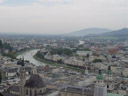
86 71
22 78
109 79
100 88
100 79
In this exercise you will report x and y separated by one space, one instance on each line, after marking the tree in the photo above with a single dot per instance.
61 51
1 45
97 60
59 61
8 46
38 54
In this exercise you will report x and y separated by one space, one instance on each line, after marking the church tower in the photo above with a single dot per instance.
22 79
100 88
109 79
34 71
86 71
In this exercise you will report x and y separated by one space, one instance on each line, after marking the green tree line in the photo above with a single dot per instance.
6 46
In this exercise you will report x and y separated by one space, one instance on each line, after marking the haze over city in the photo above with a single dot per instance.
63 47
61 16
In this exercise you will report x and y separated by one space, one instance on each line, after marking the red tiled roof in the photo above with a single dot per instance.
113 51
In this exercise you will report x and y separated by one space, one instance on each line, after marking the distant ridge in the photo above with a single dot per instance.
89 31
117 33
121 34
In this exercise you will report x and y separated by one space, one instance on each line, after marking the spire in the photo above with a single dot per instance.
100 76
100 72
86 70
100 87
22 78
109 79
22 63
109 72
34 70
109 67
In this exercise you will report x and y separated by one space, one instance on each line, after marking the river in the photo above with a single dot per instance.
28 55
81 42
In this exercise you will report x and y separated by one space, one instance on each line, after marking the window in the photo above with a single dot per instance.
35 93
107 86
26 91
30 92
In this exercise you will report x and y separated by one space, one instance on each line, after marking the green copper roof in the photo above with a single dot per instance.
100 76
109 72
112 94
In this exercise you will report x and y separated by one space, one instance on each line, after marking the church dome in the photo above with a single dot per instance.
35 81
100 76
109 72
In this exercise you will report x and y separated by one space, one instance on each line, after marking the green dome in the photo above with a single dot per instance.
109 72
100 77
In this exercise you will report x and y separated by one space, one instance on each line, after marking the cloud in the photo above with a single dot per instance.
43 17
52 2
1 1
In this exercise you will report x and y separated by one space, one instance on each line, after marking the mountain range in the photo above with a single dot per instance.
89 31
101 33
117 33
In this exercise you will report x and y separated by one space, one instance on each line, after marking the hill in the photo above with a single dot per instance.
89 31
117 33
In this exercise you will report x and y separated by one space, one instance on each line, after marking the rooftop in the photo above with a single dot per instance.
112 94
77 90
35 81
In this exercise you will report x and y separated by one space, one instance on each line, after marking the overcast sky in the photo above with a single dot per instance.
61 16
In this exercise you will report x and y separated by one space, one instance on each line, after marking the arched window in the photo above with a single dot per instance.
107 86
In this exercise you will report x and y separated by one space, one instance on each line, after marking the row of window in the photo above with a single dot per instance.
30 93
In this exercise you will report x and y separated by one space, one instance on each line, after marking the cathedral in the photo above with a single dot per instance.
34 86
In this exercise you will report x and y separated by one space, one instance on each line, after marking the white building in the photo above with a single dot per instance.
100 88
83 53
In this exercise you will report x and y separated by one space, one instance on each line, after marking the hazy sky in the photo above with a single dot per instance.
61 16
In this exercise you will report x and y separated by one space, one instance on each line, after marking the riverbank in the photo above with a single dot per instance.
23 51
58 65
13 55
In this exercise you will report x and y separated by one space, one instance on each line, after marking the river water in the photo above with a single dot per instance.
29 56
81 42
